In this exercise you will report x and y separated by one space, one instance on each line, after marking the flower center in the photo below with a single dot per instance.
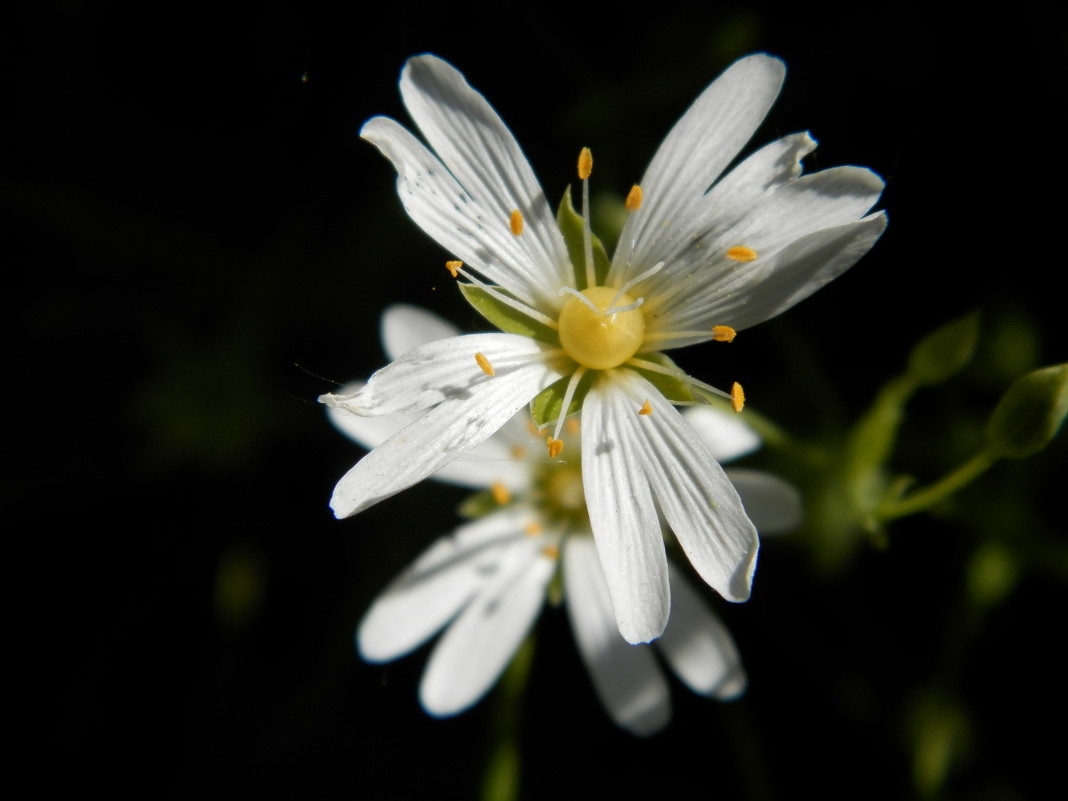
597 336
563 491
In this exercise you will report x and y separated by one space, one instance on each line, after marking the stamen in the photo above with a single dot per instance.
740 253
532 529
454 267
625 289
515 222
634 198
500 493
570 290
646 408
677 374
550 551
569 393
555 446
737 397
723 333
520 307
585 163
484 363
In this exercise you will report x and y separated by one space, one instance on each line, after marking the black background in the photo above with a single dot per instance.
199 245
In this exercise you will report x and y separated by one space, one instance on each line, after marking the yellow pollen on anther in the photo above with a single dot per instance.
555 446
634 198
518 452
737 397
532 529
723 333
646 408
484 363
515 222
739 253
500 493
585 163
453 267
550 551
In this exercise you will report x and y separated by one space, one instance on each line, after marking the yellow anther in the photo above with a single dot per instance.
646 408
453 267
515 222
737 397
739 253
518 452
634 198
555 446
571 425
500 493
585 163
550 551
484 363
532 529
723 333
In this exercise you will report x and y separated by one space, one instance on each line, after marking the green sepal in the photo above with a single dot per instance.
477 505
945 351
570 222
546 406
674 389
505 317
1029 413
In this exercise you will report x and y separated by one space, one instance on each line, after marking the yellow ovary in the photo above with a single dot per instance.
599 339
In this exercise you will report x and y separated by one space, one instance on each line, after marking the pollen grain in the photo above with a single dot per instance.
484 363
740 253
515 222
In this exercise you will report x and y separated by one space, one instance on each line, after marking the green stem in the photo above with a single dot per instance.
501 779
941 489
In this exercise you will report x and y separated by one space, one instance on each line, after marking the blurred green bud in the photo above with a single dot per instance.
945 351
992 573
1029 413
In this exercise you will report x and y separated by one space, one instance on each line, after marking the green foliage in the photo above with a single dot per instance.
548 404
1030 413
571 226
946 351
507 318
674 389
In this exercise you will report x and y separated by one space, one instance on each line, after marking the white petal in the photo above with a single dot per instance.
698 646
442 435
698 501
700 146
494 461
622 514
685 244
786 271
726 434
405 327
440 370
475 649
480 151
774 505
628 681
427 594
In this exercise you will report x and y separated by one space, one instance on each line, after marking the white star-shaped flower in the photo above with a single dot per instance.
703 254
485 583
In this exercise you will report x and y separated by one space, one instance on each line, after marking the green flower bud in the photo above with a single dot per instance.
1028 415
945 351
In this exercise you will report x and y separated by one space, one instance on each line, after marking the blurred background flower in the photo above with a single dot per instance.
199 246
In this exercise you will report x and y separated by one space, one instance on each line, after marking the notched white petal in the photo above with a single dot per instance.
698 501
622 513
405 326
698 646
628 682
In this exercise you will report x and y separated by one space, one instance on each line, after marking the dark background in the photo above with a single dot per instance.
199 245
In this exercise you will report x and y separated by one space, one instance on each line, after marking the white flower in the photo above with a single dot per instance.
485 583
702 255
